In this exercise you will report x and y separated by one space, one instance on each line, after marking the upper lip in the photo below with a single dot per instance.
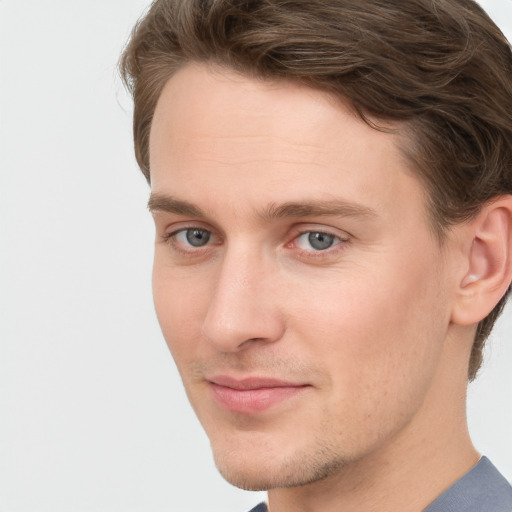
248 383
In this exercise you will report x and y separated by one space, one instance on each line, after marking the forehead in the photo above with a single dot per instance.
204 100
216 132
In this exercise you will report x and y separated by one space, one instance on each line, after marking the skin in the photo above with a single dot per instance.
366 325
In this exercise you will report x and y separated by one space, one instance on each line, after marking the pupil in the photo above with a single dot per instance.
197 237
320 241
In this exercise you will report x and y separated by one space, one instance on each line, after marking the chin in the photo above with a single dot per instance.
264 470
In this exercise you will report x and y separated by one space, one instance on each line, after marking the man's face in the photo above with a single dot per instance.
296 279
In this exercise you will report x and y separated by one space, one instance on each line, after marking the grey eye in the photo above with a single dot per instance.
317 240
197 237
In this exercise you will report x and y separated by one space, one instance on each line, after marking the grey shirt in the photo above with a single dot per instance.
481 489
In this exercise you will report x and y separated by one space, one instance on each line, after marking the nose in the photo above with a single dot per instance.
243 308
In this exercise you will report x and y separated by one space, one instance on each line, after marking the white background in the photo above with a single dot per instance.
92 414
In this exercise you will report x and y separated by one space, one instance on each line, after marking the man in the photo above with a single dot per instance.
331 186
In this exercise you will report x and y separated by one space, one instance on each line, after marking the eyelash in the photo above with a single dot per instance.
170 239
338 245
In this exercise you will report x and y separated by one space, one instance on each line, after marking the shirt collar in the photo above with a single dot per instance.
481 488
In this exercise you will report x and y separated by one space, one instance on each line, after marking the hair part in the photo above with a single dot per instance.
440 69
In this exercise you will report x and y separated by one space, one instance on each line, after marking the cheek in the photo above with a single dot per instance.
180 303
375 330
379 343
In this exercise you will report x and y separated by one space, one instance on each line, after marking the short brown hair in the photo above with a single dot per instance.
441 68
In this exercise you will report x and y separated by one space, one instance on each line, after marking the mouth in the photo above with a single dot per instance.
252 395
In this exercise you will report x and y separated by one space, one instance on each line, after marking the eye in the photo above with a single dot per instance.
317 240
192 237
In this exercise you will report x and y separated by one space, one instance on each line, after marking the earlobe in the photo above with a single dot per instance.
489 263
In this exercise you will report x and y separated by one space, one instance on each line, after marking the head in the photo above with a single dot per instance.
443 73
420 86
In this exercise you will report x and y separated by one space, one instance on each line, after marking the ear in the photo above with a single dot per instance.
489 263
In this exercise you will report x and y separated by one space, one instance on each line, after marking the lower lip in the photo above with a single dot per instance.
251 401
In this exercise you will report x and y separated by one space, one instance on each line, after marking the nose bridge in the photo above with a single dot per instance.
241 307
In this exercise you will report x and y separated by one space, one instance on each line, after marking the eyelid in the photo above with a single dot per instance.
169 237
320 228
318 255
334 238
176 227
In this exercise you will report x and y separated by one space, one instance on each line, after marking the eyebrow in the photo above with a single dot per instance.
316 208
168 204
